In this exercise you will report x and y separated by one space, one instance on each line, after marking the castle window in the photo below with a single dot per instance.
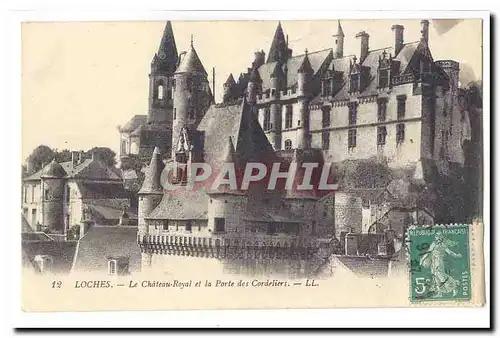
351 138
189 84
189 226
288 144
160 92
288 117
25 194
325 140
400 133
175 113
326 117
165 225
173 84
381 135
33 217
401 106
220 224
32 193
271 228
383 78
169 93
191 113
381 109
124 147
273 92
267 119
354 83
46 194
353 113
68 193
112 267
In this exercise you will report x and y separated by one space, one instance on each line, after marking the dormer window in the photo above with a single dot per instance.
383 78
273 92
354 84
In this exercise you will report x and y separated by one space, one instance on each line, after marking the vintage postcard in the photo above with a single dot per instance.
252 164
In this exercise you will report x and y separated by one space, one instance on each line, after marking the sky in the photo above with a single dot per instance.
81 80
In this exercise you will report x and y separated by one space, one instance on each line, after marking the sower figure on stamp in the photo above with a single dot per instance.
434 259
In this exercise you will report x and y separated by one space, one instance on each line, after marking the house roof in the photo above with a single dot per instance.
182 204
93 190
101 242
53 170
91 169
365 266
109 209
62 252
133 123
292 65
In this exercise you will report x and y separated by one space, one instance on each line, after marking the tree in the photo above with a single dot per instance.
38 158
105 154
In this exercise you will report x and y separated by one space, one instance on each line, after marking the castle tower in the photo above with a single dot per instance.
228 87
253 87
161 78
278 79
226 205
339 42
52 197
191 94
304 80
151 191
279 51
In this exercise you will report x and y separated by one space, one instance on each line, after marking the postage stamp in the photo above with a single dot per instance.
439 263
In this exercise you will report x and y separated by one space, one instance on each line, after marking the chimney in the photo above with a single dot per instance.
424 31
365 39
398 38
80 157
74 159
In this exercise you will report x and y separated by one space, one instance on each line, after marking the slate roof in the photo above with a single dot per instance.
53 170
166 58
87 169
182 204
364 266
220 123
62 252
102 190
190 63
109 209
292 65
133 123
101 242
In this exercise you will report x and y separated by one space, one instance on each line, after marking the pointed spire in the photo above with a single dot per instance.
152 183
167 51
279 49
305 66
230 151
230 80
340 31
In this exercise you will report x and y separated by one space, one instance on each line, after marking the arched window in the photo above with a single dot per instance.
288 144
160 92
267 119
112 267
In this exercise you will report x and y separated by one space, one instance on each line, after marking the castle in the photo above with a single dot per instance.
396 104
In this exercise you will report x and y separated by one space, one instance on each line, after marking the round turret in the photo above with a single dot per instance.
52 197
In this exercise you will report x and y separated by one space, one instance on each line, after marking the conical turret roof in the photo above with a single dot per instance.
191 63
340 31
53 170
305 66
230 80
152 182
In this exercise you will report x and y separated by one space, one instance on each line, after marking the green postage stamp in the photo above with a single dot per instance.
439 263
